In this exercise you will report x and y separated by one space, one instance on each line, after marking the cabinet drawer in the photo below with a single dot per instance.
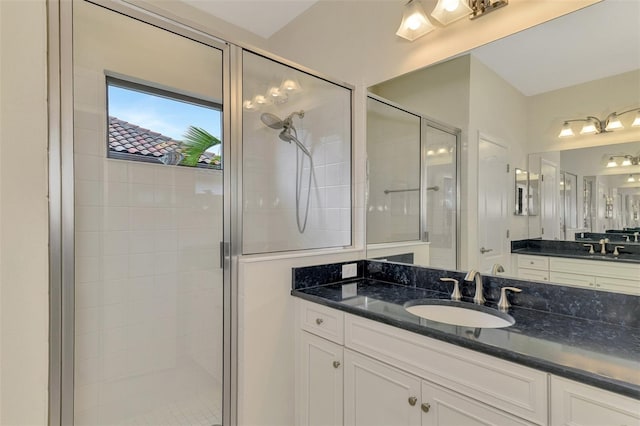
511 387
533 274
533 262
582 405
321 320
575 280
619 285
595 268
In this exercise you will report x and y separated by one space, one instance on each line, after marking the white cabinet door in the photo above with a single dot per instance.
377 394
320 382
443 407
575 280
575 404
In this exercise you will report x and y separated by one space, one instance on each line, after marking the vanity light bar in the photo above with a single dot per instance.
593 125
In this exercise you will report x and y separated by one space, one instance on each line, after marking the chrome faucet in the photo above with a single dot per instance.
478 298
496 269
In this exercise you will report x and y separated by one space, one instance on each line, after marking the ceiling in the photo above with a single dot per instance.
261 17
596 42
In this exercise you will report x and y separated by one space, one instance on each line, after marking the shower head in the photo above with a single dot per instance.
271 120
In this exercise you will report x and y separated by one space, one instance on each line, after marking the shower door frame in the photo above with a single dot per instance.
62 201
454 131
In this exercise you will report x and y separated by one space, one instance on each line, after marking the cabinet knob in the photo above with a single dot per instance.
425 407
336 364
319 321
412 400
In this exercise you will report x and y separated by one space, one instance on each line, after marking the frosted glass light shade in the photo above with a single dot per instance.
448 11
636 121
566 131
290 85
614 123
626 161
414 22
612 162
631 179
589 128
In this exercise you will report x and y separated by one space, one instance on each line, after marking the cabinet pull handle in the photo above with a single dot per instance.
319 321
425 407
412 400
336 364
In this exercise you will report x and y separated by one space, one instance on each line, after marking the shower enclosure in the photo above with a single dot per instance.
412 195
146 183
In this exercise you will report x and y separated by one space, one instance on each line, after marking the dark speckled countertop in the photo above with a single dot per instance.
576 250
605 354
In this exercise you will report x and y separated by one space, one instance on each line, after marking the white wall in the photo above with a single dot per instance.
24 301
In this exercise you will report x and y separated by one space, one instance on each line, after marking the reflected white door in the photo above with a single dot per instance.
148 283
492 205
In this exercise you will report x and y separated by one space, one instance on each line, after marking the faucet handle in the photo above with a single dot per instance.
591 250
616 252
456 295
503 303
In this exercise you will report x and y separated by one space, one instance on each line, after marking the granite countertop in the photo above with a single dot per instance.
592 352
576 250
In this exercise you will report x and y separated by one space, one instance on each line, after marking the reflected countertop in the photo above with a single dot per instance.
576 250
592 352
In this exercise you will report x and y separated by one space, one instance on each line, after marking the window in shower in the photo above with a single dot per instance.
296 159
154 125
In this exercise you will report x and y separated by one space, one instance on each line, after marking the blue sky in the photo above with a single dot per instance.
167 116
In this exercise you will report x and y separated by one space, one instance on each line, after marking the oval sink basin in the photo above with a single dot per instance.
459 313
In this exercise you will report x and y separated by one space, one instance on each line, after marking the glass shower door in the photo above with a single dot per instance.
440 153
149 187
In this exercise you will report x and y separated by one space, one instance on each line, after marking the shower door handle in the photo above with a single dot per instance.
224 252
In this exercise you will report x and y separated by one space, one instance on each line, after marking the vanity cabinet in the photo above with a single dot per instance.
321 381
576 404
601 275
360 372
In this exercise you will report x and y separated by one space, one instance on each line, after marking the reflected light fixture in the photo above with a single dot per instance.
626 161
631 178
415 22
593 125
290 85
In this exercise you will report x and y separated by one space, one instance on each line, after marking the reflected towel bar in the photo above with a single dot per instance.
429 188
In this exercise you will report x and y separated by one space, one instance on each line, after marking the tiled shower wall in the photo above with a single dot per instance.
269 170
148 288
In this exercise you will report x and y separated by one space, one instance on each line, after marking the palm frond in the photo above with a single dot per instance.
196 142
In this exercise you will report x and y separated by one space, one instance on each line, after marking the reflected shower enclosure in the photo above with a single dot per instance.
296 138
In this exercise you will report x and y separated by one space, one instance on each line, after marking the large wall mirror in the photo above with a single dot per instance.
509 99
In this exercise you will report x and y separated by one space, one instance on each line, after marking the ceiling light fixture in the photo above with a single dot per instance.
593 125
415 22
631 178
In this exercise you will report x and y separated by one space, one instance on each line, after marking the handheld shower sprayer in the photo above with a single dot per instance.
289 134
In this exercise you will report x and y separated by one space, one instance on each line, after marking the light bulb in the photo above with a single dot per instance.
636 121
450 5
249 106
442 151
430 152
413 22
290 85
566 131
260 100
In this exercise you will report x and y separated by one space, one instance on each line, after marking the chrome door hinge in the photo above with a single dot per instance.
225 251
508 168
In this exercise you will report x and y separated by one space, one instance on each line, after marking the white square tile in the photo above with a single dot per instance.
141 173
166 240
88 269
114 291
141 195
116 170
115 267
88 193
88 294
142 218
117 194
88 167
116 243
140 288
116 218
142 241
114 316
89 218
88 244
88 371
89 142
142 264
88 320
